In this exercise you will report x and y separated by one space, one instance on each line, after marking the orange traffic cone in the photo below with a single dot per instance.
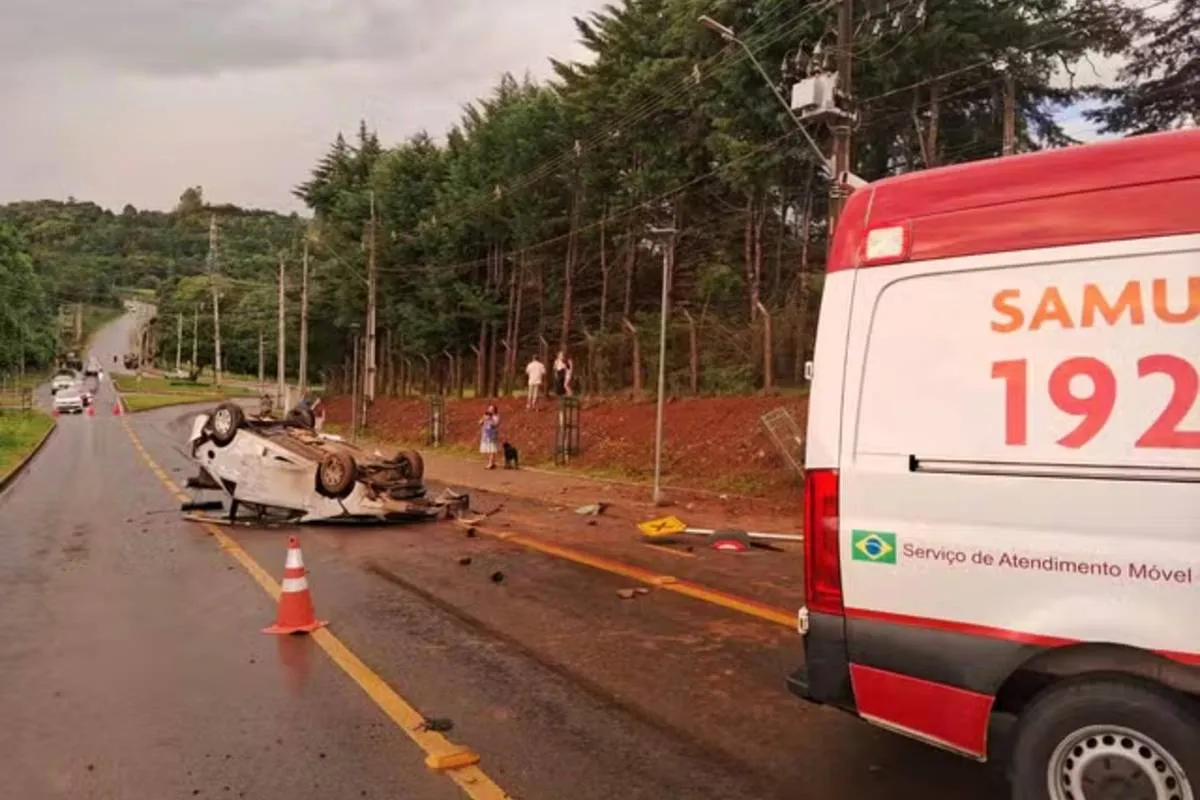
91 412
54 412
296 613
117 409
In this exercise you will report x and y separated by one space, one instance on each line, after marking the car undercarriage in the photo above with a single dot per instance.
283 470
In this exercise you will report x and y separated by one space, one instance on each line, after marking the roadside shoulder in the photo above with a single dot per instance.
26 442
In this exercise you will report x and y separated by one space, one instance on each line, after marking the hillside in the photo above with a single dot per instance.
80 252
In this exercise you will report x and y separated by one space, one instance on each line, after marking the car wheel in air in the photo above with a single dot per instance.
412 466
300 417
1107 738
225 421
336 474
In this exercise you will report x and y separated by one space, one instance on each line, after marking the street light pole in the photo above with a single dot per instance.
304 322
726 33
668 235
281 398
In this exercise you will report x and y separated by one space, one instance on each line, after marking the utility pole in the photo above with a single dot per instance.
213 244
281 355
841 125
354 387
195 334
668 246
262 378
1010 114
372 286
304 321
179 343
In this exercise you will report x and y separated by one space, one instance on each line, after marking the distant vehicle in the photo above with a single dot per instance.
63 379
274 467
69 401
1002 467
93 369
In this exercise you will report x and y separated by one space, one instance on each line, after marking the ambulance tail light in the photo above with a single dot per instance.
822 551
889 245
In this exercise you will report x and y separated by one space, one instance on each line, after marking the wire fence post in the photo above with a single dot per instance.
566 430
437 421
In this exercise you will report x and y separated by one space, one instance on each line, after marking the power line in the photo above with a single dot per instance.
991 60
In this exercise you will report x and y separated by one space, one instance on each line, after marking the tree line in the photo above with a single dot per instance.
57 254
531 225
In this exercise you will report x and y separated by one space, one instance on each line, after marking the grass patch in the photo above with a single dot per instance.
147 402
613 472
168 386
19 434
743 484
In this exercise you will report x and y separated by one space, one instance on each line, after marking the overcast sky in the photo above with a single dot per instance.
133 100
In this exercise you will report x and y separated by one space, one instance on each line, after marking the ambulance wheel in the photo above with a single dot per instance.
412 466
336 474
225 421
1100 739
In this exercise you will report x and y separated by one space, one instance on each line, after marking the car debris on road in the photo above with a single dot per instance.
285 470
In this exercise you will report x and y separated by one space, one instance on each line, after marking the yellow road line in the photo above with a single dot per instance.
697 591
456 762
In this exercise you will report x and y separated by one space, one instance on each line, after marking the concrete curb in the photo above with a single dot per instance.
23 463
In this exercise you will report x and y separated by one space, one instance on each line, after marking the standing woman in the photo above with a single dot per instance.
490 435
560 373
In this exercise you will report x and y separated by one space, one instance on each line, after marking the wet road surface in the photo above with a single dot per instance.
131 659
134 649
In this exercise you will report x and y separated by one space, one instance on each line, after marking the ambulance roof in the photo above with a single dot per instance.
1127 188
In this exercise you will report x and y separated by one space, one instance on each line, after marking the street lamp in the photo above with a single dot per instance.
668 235
726 33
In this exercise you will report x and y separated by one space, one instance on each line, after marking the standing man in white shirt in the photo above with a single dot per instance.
536 371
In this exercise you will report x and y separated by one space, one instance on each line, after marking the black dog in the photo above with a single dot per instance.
512 458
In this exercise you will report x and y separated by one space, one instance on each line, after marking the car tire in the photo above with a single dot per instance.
1083 728
224 423
300 417
336 474
412 466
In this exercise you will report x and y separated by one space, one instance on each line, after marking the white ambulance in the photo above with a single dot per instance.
1002 554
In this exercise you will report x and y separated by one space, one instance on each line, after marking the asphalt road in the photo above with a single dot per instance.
112 342
134 667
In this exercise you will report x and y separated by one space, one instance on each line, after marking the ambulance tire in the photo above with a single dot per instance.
1063 714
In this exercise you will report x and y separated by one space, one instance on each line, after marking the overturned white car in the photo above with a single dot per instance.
283 468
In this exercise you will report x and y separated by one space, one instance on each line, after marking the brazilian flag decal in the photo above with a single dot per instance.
873 546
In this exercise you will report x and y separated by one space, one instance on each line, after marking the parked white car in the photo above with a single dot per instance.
275 467
69 401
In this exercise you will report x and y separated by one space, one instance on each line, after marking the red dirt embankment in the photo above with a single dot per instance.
716 444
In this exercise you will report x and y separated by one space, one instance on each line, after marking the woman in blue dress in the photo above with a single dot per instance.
490 435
